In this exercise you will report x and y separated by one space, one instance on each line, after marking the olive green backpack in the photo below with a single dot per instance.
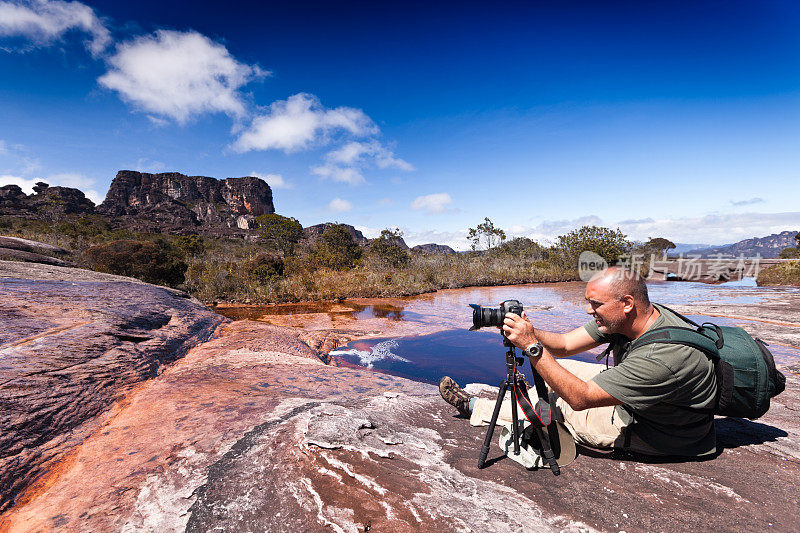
745 369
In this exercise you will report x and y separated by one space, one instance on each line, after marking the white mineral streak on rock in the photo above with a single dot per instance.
687 483
466 503
364 480
474 389
163 501
320 509
246 357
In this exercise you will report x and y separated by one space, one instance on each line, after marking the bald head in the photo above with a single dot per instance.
622 282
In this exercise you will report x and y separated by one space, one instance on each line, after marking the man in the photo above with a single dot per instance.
650 400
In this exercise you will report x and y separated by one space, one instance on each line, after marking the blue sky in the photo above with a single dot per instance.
674 119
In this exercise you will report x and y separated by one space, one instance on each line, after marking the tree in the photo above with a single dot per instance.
659 244
387 249
790 253
336 249
522 247
486 232
609 244
281 233
153 262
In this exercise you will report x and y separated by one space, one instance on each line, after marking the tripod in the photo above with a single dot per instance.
520 394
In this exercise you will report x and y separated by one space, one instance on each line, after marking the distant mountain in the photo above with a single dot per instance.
682 247
767 247
433 249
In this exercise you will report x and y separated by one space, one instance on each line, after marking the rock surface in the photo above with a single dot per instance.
73 342
173 202
250 431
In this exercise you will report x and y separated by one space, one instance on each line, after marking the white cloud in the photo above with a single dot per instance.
45 21
338 205
356 152
432 203
369 232
457 240
149 166
3 149
751 201
349 175
275 181
300 122
714 228
179 75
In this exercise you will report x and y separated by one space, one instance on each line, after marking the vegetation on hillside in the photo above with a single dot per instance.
279 265
782 274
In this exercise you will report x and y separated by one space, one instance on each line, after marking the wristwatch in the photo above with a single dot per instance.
534 350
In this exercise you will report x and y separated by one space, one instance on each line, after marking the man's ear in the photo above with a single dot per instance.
628 303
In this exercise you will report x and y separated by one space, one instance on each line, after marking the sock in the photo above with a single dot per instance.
472 403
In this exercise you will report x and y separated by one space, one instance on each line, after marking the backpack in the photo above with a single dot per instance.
744 367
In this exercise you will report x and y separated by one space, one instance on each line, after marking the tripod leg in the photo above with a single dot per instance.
487 441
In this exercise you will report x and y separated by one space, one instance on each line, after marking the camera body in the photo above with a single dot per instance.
493 316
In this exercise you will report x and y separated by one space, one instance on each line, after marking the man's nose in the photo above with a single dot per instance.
589 309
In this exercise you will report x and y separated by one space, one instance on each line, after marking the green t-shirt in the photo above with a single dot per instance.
653 381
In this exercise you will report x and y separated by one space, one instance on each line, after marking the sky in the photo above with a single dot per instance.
664 119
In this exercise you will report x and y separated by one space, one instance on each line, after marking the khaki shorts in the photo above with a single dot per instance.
599 427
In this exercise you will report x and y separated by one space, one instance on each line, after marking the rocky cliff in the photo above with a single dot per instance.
173 202
433 249
312 232
45 201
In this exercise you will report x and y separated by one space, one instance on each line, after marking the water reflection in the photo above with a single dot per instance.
426 336
345 309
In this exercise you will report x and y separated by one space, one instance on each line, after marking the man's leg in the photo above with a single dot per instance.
599 427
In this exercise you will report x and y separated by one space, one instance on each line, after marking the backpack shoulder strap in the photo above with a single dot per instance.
678 335
692 322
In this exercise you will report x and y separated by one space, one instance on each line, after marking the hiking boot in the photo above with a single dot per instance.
454 395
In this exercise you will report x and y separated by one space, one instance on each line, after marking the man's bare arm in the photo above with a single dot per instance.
577 393
522 333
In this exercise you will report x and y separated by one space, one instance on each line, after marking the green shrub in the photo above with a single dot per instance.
191 244
336 249
522 247
790 253
279 232
153 262
607 243
266 268
782 274
387 250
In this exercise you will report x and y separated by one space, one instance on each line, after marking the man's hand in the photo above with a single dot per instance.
519 330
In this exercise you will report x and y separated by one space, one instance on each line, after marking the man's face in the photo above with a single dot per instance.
605 308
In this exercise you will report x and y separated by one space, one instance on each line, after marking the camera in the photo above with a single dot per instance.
493 316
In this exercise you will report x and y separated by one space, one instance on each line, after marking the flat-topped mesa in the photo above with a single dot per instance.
173 201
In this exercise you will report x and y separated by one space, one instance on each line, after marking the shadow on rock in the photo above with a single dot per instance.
736 432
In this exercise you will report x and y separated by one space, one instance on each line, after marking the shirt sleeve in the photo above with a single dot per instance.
638 381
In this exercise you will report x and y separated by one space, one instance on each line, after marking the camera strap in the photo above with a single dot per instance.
541 414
